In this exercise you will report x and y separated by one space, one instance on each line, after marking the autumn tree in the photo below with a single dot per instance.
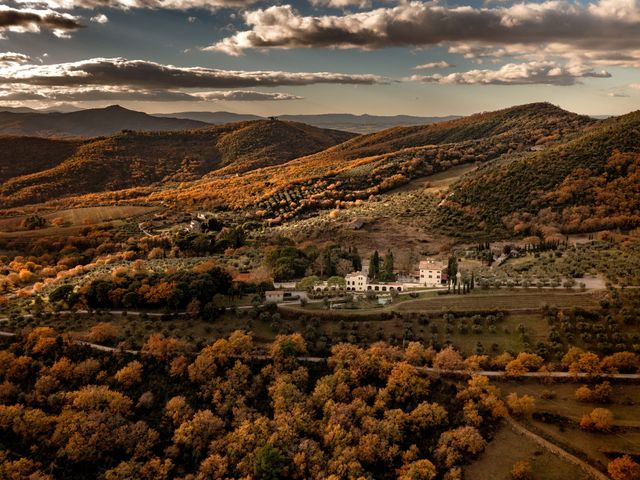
164 349
621 362
523 405
103 332
600 393
178 410
418 470
195 434
454 445
600 420
521 470
448 359
624 468
130 374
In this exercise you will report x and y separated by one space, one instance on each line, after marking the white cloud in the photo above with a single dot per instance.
341 3
244 96
100 18
601 30
149 4
427 66
13 58
545 73
25 92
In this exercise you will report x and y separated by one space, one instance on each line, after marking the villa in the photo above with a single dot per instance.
431 273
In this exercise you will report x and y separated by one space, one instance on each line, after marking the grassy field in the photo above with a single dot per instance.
73 218
507 448
625 406
501 300
594 445
439 181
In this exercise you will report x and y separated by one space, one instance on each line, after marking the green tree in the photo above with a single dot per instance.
386 275
268 464
452 270
374 266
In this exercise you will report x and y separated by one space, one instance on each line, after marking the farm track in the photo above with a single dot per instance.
556 450
427 370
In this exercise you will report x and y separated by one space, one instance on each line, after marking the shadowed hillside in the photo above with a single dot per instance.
133 159
586 184
24 155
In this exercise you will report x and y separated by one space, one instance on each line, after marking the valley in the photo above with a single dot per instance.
421 297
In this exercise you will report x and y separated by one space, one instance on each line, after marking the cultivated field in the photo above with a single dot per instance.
59 222
502 300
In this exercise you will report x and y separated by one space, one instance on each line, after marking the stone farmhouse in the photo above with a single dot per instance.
431 274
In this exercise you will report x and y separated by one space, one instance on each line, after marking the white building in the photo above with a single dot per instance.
431 273
356 282
274 296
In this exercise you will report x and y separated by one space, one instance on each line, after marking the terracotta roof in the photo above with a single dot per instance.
431 265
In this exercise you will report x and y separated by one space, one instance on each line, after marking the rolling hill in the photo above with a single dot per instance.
530 169
370 164
362 124
47 169
87 123
589 183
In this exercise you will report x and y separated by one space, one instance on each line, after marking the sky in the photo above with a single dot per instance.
386 57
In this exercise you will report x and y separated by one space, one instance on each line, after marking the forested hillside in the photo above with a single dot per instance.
586 184
41 170
24 155
371 164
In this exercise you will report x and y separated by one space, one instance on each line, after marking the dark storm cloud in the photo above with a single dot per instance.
30 20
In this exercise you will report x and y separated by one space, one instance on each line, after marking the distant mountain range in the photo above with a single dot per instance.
338 121
66 121
95 122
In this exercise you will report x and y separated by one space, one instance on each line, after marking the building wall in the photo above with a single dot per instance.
356 283
430 277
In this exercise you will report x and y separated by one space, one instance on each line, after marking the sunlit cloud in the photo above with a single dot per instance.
545 73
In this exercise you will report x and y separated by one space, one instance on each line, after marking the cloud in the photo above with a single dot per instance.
545 73
151 75
245 96
427 66
100 18
33 21
147 4
21 93
341 3
607 27
13 58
